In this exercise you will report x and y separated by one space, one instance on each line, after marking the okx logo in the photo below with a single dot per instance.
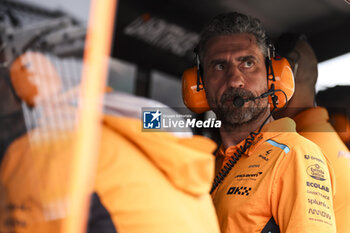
239 191
152 119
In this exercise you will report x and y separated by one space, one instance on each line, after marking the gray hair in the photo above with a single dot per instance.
231 23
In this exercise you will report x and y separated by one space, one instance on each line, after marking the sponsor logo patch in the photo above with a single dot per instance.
313 158
239 191
320 213
316 172
263 157
318 186
249 175
314 201
318 194
254 166
344 154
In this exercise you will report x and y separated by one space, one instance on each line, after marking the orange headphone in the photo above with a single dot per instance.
280 81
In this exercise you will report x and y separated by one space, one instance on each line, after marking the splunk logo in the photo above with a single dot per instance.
239 191
314 201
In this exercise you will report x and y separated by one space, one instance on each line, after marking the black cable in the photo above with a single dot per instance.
242 149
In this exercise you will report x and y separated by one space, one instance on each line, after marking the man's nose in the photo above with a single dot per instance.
235 77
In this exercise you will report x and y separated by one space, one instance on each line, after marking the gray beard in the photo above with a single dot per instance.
233 117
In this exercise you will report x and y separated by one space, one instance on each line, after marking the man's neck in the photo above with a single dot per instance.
233 135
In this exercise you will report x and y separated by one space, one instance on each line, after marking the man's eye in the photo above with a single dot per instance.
248 64
219 67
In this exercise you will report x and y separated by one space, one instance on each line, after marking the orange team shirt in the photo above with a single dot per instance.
146 182
283 183
313 124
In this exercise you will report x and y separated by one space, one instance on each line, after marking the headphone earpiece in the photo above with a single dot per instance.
279 78
193 93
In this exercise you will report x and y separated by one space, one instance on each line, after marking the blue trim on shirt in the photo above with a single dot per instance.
279 145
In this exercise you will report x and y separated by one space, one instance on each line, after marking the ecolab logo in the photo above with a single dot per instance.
318 186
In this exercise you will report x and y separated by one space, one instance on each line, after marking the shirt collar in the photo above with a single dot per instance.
268 131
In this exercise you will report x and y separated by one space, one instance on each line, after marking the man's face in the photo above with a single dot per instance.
235 66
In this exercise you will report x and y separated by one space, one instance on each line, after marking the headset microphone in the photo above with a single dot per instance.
239 101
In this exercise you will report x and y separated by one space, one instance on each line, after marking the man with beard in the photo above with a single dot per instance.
271 179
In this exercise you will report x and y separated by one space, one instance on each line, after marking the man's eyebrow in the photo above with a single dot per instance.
224 61
246 58
218 61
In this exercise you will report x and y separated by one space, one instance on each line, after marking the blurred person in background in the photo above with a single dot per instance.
151 182
336 100
12 122
312 121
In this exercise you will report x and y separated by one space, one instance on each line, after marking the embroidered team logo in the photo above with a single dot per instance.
152 119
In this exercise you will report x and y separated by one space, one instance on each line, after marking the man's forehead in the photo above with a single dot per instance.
240 39
236 43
